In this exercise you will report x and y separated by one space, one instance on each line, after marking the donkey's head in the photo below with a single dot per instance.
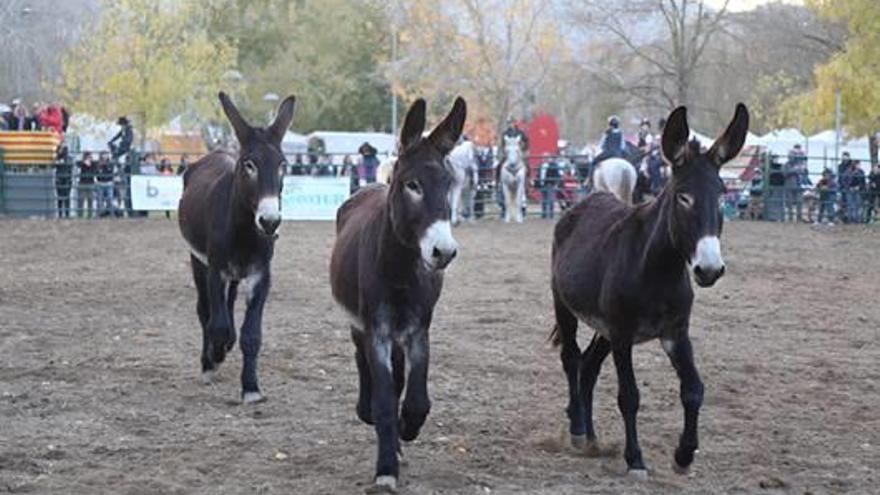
260 167
419 192
696 188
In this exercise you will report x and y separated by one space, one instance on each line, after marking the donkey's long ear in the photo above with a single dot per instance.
282 119
445 135
413 125
675 136
242 129
729 144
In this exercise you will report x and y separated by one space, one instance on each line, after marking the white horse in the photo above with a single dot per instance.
463 164
513 178
385 168
617 176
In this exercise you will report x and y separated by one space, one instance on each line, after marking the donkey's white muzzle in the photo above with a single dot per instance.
268 216
707 263
438 246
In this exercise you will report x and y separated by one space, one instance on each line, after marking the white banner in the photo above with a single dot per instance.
155 192
313 198
303 198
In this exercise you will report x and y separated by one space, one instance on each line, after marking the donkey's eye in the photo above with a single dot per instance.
414 186
685 200
250 167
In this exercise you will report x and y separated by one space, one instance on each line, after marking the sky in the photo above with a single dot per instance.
740 5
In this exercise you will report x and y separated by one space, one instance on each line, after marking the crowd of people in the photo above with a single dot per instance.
848 195
98 184
52 117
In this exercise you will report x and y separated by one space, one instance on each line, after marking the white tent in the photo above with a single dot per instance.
294 144
336 142
702 138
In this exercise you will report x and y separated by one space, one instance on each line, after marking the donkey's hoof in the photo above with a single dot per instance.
383 484
252 398
578 442
592 448
637 474
682 470
210 376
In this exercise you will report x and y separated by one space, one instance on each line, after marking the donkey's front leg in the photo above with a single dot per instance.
219 326
628 403
416 404
252 336
384 405
681 354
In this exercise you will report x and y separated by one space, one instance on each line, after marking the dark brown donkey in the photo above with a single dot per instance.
624 272
392 244
229 214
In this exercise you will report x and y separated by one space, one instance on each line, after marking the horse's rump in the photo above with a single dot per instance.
617 176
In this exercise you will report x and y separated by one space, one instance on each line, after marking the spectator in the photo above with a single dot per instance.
873 196
795 170
843 175
165 167
646 138
148 165
755 210
184 163
104 176
297 168
122 141
21 121
51 119
63 180
86 191
854 189
774 200
369 163
827 188
656 177
548 180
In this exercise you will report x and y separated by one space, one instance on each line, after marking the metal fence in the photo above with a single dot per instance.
762 188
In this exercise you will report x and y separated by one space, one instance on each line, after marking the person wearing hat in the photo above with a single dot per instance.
369 163
125 137
612 144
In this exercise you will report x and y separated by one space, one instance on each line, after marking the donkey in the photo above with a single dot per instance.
513 178
616 176
229 215
463 162
392 244
623 271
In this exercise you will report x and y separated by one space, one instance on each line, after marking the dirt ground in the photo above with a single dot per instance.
99 389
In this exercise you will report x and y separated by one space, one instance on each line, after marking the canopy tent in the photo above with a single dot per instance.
347 143
89 133
294 144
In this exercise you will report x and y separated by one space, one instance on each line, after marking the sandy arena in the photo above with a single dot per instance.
99 389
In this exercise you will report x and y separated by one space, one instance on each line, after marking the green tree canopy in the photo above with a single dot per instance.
147 59
854 71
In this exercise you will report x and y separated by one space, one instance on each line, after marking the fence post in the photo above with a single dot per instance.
2 184
765 184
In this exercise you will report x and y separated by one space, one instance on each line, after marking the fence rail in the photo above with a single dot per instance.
759 187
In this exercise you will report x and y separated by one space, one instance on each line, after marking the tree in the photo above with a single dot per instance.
497 53
33 35
854 71
147 59
662 44
330 53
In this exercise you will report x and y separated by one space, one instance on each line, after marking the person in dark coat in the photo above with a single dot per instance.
63 180
122 141
369 163
85 192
